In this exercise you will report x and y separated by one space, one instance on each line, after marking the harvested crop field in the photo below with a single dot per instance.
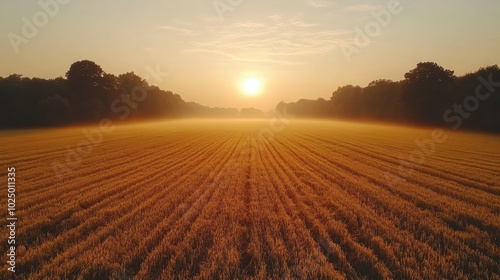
220 199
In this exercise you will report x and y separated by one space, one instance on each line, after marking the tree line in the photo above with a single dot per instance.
88 94
428 95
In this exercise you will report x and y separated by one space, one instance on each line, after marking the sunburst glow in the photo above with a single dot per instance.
251 86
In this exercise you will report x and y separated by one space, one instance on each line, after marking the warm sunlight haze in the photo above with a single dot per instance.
288 42
252 140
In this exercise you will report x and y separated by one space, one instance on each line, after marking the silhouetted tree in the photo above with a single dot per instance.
128 81
14 102
281 108
86 83
84 76
381 100
129 91
26 102
160 103
466 88
345 101
109 83
306 108
251 113
425 91
429 94
52 110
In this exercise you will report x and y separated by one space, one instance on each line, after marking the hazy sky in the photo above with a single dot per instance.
295 47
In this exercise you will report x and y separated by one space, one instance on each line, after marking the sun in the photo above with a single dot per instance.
251 86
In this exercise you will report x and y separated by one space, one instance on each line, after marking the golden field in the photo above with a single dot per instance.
251 199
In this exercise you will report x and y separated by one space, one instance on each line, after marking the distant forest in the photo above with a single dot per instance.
428 95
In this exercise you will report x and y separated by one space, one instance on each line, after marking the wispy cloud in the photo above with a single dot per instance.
275 40
177 29
320 3
275 17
